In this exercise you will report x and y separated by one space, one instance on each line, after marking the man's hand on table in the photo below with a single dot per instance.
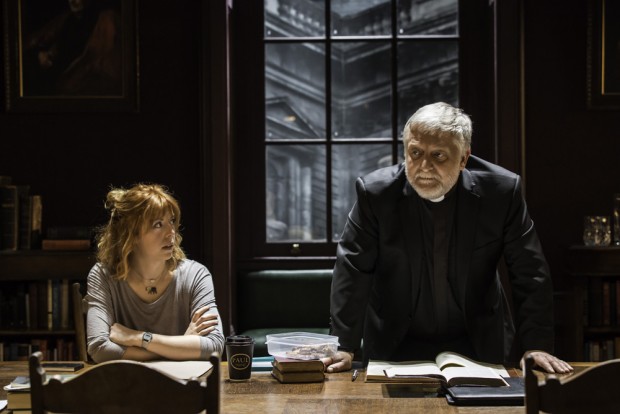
341 361
548 363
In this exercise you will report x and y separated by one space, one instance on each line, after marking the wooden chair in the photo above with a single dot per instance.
590 391
79 318
124 387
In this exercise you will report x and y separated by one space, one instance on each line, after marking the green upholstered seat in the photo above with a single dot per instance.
278 301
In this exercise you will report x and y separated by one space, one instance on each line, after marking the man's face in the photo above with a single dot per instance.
433 164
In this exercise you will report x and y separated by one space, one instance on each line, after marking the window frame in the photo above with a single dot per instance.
475 95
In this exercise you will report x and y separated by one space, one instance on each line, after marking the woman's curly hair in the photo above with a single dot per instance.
131 212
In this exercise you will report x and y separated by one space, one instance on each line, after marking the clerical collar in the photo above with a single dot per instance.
443 197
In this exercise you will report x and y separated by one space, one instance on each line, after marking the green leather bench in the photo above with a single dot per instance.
278 301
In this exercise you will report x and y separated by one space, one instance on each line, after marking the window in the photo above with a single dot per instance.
338 80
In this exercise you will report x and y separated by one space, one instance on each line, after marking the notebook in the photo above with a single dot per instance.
514 394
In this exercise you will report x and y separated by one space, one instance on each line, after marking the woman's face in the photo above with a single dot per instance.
157 238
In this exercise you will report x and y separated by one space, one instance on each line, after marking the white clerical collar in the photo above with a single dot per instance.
438 199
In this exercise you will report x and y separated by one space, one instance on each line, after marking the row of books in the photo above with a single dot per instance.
602 302
58 349
36 305
601 350
20 216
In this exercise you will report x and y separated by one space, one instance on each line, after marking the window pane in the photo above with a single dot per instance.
348 163
361 17
427 72
429 17
294 18
294 91
295 194
361 92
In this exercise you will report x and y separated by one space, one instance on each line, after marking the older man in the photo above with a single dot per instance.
416 271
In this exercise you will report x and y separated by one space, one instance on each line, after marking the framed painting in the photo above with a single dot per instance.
70 55
603 54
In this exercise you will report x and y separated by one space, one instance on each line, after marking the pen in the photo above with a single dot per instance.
354 376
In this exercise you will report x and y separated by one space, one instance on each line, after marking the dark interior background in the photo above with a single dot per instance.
571 153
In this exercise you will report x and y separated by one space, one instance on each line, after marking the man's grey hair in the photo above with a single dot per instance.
439 119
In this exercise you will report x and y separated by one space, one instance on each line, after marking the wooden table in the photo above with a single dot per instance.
338 394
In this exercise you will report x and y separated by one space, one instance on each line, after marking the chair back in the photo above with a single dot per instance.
590 391
79 318
124 387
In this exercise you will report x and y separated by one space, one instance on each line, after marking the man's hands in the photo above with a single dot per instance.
548 363
202 323
341 361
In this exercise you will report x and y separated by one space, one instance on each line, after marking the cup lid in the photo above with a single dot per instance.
239 339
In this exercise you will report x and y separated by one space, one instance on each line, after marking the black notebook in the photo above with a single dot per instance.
514 394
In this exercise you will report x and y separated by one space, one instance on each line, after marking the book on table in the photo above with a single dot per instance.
298 365
288 370
18 391
183 370
478 395
448 369
62 366
298 377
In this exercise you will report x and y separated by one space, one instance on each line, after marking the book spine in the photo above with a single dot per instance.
56 304
64 304
33 299
25 217
50 305
78 244
36 212
41 304
9 217
595 301
606 305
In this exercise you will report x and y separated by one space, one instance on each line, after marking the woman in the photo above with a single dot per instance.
146 300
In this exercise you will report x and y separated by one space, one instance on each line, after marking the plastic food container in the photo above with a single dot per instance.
302 345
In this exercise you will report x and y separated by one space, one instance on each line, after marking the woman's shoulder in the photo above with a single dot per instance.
99 270
191 267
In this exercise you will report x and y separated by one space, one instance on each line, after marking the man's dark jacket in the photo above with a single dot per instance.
379 262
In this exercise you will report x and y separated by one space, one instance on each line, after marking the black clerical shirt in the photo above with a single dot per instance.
437 322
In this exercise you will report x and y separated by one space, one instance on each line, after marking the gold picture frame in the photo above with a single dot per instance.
603 54
70 55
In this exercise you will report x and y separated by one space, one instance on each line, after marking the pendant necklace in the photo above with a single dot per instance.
151 287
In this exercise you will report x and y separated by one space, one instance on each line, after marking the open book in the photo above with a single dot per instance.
183 370
449 368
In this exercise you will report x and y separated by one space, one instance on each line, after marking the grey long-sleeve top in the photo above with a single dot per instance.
112 301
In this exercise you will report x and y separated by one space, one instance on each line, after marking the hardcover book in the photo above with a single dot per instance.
9 217
514 394
285 365
68 244
25 217
297 377
449 369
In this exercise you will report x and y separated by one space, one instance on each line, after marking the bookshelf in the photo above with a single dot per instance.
25 323
596 308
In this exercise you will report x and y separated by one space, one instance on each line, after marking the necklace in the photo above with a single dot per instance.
151 286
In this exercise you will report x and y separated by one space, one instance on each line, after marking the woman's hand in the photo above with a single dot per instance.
202 323
122 335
